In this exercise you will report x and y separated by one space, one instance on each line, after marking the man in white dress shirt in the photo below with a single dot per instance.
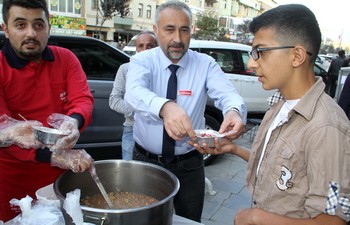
198 76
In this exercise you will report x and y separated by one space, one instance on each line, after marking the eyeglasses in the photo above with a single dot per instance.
255 52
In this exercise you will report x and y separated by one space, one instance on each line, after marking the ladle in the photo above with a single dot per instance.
100 186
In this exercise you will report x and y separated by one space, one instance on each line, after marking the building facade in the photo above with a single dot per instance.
82 17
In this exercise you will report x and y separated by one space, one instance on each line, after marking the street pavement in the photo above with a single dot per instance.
229 193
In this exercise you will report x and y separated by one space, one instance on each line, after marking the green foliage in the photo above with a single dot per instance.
244 27
111 8
208 27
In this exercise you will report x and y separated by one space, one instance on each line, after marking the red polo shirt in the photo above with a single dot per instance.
56 85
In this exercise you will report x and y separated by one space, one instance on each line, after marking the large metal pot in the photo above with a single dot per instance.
132 176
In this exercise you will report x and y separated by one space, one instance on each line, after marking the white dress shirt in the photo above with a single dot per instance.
198 76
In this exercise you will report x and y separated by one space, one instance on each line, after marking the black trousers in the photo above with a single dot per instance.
188 202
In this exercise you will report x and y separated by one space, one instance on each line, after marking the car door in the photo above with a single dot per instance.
229 62
100 62
234 62
252 89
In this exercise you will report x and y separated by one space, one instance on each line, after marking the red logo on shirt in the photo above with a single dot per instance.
185 92
63 96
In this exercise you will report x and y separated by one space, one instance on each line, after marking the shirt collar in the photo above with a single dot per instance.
307 104
16 62
165 61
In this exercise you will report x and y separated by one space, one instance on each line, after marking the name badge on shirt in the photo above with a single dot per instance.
185 92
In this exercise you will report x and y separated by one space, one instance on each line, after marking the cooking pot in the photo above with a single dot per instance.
121 175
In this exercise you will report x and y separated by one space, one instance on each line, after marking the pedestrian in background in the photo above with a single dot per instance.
344 99
168 86
46 85
145 40
298 167
333 72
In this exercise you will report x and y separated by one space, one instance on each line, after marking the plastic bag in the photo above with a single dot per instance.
72 207
36 214
77 160
16 132
67 125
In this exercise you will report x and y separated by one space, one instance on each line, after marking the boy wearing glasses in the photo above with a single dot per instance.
298 168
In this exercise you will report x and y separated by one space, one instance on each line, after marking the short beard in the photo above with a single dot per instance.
30 55
175 56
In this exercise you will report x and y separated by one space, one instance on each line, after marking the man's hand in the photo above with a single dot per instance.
232 122
258 216
176 121
222 147
16 132
77 160
67 125
22 134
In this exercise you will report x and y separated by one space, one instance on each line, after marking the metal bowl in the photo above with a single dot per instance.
47 135
121 175
207 136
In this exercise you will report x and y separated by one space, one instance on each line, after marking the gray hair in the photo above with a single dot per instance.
150 33
173 4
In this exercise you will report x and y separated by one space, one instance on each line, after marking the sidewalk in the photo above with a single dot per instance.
227 175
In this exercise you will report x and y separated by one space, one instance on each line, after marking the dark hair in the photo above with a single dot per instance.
294 24
341 53
28 4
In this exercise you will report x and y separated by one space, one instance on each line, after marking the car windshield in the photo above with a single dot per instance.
132 42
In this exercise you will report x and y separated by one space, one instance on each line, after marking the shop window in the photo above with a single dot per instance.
69 7
94 4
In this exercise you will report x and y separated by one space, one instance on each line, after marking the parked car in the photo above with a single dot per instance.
323 62
233 59
321 72
100 62
130 47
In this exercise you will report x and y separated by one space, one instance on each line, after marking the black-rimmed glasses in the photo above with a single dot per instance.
255 52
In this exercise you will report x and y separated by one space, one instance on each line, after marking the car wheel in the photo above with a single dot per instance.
210 124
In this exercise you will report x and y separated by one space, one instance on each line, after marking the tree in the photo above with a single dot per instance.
110 8
207 26
244 27
245 35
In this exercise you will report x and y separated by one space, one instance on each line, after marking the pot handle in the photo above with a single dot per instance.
96 220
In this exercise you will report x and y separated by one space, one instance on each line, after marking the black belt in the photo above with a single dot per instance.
160 159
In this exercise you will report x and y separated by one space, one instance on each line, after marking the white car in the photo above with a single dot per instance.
130 48
323 61
233 59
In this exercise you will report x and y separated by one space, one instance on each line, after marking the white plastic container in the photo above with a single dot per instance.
46 195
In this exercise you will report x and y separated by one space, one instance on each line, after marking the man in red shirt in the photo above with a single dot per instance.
45 84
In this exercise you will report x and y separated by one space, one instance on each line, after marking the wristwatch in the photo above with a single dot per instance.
234 109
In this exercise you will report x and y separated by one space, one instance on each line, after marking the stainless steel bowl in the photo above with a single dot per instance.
207 136
121 175
47 135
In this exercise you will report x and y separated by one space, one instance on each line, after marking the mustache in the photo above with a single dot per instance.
30 41
177 45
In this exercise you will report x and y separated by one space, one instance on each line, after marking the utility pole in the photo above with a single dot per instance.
340 39
97 9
